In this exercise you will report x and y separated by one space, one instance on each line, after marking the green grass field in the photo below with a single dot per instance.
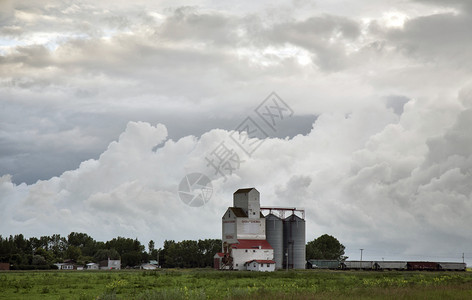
210 284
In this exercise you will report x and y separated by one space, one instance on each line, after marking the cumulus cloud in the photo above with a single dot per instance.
377 151
371 178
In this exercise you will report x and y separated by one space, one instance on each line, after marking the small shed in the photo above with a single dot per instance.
148 267
261 265
217 260
92 266
4 266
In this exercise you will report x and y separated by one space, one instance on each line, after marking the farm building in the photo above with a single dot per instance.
261 265
110 264
4 266
68 264
249 236
92 266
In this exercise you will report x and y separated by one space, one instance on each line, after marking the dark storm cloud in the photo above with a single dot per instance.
30 155
324 36
460 4
433 39
187 23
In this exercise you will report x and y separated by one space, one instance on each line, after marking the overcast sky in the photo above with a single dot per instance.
106 105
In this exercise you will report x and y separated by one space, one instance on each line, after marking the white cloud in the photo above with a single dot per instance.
369 177
387 160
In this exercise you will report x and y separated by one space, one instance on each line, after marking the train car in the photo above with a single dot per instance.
357 265
323 264
422 266
390 265
452 266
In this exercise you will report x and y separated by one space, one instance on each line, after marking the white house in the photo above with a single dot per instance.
111 264
92 266
114 264
59 265
67 265
261 265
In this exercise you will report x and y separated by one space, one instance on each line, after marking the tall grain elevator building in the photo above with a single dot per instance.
252 241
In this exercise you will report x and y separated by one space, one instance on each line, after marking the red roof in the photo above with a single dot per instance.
251 244
220 254
261 261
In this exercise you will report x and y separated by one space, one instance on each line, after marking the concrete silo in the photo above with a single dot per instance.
275 237
294 242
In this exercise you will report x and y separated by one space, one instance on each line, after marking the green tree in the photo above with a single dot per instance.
167 254
131 258
325 247
73 252
87 245
58 245
38 260
189 253
131 251
104 254
47 255
151 246
207 249
21 244
152 252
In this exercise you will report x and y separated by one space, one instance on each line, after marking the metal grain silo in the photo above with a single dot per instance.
275 237
294 242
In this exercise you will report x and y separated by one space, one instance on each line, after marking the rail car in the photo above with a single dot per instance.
390 265
386 265
452 266
357 265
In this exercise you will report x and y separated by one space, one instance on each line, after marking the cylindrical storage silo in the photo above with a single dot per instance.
275 237
294 242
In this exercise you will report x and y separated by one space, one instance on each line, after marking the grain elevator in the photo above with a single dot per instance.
252 241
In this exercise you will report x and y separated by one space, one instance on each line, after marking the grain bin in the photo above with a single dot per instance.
294 242
275 237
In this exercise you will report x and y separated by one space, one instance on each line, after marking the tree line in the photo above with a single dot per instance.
44 252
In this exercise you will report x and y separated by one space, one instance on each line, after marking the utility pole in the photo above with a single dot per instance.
463 257
361 253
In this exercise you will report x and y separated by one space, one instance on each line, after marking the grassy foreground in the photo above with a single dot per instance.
210 284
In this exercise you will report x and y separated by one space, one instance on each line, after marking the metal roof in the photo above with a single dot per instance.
293 217
261 261
238 212
251 244
246 190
